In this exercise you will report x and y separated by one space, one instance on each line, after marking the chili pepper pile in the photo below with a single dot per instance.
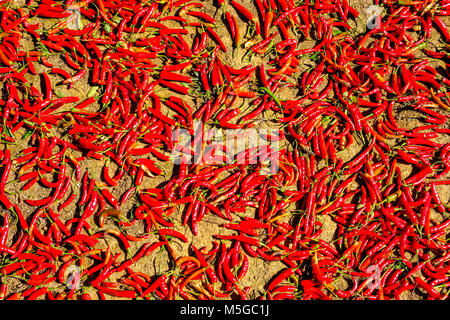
363 136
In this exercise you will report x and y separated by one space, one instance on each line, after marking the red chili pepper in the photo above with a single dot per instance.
166 75
442 27
424 285
173 233
216 38
76 77
118 293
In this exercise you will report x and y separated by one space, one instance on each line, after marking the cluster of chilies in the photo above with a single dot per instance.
389 202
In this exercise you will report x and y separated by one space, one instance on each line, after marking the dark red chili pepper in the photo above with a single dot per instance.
442 27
